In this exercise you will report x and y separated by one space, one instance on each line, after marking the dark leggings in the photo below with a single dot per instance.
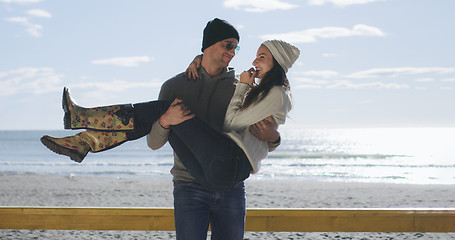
211 157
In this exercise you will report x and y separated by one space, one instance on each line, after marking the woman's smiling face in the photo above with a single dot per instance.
263 62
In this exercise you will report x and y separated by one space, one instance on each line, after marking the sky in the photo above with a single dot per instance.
363 63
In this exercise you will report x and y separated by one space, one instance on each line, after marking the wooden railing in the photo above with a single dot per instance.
258 220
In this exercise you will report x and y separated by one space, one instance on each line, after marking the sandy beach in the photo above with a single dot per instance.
38 190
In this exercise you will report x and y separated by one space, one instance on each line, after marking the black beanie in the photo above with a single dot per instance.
217 30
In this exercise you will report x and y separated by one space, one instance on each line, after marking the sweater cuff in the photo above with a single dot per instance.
242 88
159 130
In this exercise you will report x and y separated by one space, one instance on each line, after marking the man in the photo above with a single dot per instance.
208 98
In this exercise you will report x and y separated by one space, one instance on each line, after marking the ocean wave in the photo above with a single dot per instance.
334 176
335 156
90 173
303 165
69 163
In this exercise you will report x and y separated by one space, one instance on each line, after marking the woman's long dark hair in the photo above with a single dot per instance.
275 77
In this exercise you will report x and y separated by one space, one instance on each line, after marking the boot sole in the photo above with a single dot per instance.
73 154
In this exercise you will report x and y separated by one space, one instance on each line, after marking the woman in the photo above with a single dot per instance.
236 152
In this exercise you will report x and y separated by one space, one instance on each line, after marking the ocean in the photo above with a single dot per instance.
383 155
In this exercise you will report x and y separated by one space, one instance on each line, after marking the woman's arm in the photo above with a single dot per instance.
158 135
238 118
266 130
192 70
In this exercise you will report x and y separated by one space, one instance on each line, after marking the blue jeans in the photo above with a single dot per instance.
196 207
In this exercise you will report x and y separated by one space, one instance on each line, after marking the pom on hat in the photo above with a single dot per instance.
218 30
284 53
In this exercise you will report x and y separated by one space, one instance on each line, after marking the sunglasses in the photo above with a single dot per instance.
230 45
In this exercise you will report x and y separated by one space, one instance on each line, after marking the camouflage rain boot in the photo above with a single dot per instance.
77 146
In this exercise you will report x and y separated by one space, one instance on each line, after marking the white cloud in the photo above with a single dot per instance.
39 13
116 85
308 83
35 80
123 61
45 80
340 3
240 26
31 28
395 72
336 110
424 80
446 88
20 1
258 5
323 74
98 93
350 81
313 34
364 102
311 81
329 55
34 30
307 86
22 20
374 85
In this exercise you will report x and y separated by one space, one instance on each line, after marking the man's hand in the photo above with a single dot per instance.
175 114
266 130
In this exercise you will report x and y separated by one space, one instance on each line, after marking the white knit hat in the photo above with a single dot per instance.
284 53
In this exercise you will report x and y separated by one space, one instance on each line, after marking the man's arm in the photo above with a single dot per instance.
175 114
266 130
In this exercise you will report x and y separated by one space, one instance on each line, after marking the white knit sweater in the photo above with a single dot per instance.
276 103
